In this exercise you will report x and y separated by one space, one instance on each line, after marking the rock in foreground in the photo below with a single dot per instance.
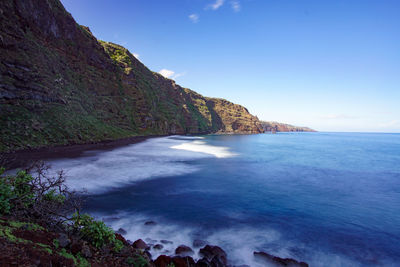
277 261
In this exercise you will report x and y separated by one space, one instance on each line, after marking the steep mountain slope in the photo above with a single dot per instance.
60 85
271 126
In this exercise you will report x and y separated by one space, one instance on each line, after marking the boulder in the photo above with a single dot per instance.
165 261
183 250
271 259
140 244
148 254
183 261
215 255
203 263
122 239
149 223
165 242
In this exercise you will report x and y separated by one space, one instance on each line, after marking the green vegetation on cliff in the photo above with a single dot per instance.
60 85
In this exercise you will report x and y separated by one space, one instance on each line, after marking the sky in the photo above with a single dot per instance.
332 65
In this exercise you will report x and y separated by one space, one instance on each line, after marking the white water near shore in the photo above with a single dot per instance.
239 242
100 171
202 147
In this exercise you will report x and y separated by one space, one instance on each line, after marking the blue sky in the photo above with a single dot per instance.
330 65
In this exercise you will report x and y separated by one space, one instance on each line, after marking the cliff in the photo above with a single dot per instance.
271 126
60 85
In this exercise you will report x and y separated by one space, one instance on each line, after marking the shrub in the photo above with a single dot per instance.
5 194
141 262
96 232
41 197
44 198
15 190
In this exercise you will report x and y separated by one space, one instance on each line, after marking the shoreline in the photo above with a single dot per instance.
19 158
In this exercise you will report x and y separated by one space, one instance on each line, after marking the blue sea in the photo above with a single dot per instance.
329 199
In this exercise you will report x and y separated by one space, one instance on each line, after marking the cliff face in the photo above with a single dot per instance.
271 126
60 85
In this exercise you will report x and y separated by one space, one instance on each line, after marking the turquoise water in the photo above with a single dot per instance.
330 199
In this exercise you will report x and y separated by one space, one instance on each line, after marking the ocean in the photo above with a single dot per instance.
329 199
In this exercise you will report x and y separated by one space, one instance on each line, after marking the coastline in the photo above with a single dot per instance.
18 158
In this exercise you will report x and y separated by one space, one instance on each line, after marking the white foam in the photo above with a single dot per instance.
99 171
239 242
136 229
202 147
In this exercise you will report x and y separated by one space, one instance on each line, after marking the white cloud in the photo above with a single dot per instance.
235 5
194 18
171 74
166 73
216 5
136 55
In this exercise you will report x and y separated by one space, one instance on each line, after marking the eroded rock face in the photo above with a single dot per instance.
54 73
277 261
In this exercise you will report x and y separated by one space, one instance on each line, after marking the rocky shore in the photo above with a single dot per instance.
29 244
207 254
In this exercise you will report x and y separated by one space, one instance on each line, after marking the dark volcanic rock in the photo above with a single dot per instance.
271 259
140 244
148 254
203 263
165 242
165 261
149 223
183 250
215 254
122 239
